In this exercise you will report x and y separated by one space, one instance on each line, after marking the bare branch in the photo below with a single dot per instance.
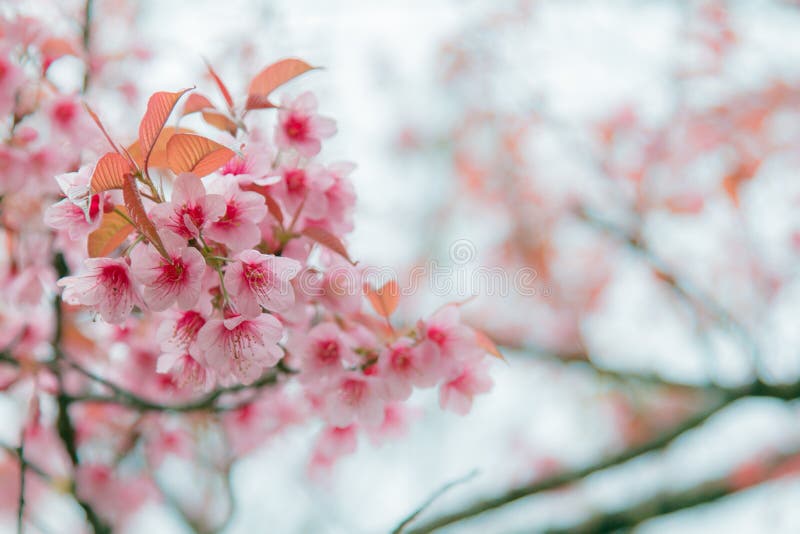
667 503
430 500
758 388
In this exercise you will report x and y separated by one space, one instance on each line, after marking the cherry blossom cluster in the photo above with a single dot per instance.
196 274
209 242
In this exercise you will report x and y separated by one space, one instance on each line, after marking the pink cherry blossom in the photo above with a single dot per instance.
80 212
238 229
303 187
396 418
177 335
239 346
323 352
106 287
114 496
11 77
255 165
185 371
404 365
190 210
68 118
456 395
166 281
340 198
337 288
257 280
455 341
300 127
333 443
353 396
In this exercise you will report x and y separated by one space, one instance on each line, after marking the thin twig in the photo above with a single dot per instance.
687 291
22 468
581 359
430 500
87 40
124 397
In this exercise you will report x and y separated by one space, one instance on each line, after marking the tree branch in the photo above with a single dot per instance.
64 426
581 359
758 389
208 402
667 503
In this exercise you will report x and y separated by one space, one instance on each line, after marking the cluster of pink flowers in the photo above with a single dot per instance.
223 283
181 277
221 278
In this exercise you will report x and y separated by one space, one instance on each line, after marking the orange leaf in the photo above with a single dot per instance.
220 121
486 343
135 207
328 240
274 208
159 108
196 154
54 48
158 154
113 230
222 89
259 102
271 78
109 173
384 300
196 102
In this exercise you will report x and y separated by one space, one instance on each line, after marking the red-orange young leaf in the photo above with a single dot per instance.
135 207
385 299
222 88
109 173
328 240
113 230
159 108
196 154
271 78
486 343
259 102
196 102
54 48
274 208
158 154
220 121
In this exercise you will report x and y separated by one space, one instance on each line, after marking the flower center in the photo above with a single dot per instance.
328 352
437 336
114 278
296 127
353 391
64 113
296 180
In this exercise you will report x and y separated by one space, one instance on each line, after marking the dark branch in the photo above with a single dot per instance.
758 389
666 503
208 402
